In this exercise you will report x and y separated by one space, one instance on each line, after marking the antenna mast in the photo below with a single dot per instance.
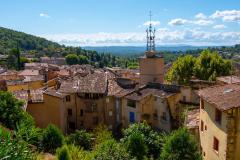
150 37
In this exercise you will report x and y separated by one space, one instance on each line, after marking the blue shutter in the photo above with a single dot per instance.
132 117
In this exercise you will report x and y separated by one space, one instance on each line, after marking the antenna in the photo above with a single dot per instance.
150 16
150 38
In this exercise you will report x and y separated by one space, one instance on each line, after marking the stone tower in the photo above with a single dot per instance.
151 65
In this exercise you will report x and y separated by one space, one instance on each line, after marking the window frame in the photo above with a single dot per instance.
216 144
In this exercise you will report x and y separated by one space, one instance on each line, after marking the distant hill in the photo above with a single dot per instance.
11 39
133 50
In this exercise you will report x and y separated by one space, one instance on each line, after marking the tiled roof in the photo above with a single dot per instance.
29 72
55 93
192 118
33 78
22 95
223 97
36 95
229 79
114 89
146 91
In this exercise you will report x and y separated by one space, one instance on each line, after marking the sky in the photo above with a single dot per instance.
123 22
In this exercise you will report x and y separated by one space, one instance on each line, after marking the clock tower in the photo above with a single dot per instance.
151 65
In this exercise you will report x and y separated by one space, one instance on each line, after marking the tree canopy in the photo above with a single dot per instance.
207 66
180 145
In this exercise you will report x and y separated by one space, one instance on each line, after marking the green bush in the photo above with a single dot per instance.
52 139
110 150
180 145
13 148
75 153
63 153
136 146
152 139
11 112
80 138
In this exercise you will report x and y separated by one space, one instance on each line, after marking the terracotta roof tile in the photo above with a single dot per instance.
229 79
223 97
192 118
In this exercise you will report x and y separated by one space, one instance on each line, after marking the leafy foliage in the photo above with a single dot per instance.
80 138
72 59
180 145
63 153
182 70
207 66
109 150
13 149
136 146
102 134
151 138
11 112
210 65
52 139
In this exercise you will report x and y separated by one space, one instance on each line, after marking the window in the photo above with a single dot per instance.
95 120
71 125
184 98
205 127
164 116
218 116
110 113
215 144
132 117
131 103
94 107
202 103
81 112
202 124
68 98
69 112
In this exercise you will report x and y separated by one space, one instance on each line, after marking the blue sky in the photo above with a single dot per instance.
123 22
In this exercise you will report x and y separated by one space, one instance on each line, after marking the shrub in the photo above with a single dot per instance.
63 153
80 138
110 150
152 139
136 146
13 148
180 145
52 139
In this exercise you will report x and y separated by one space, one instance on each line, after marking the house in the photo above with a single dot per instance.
155 103
219 125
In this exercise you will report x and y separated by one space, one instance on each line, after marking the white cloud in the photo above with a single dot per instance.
220 26
178 22
200 16
44 15
163 36
202 22
227 15
154 23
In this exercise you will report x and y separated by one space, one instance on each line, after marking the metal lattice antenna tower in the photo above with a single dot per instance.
150 36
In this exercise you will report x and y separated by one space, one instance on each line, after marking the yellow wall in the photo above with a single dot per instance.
49 111
151 70
17 87
213 129
26 86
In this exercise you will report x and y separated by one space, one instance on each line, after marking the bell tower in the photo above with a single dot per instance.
151 65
